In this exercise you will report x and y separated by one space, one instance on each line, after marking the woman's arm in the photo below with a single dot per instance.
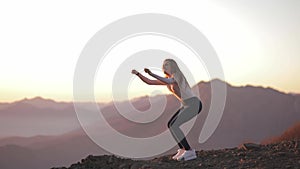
146 80
162 79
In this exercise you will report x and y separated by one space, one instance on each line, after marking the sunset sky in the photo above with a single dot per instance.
256 41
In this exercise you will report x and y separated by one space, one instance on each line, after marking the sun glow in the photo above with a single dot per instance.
40 48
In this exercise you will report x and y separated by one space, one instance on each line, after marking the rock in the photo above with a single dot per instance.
281 155
145 166
124 166
136 166
110 160
249 146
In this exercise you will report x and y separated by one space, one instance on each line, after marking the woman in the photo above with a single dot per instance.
178 85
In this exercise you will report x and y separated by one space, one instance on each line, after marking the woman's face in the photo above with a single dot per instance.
167 68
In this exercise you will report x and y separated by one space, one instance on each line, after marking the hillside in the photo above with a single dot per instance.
50 130
285 154
292 133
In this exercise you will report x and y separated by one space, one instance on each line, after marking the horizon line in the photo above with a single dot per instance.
146 95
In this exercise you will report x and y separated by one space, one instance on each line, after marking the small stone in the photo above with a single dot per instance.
145 166
288 166
241 161
281 154
186 165
135 166
249 146
110 160
123 166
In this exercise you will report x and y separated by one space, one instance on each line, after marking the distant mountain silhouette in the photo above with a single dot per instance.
38 116
252 114
46 152
13 157
24 119
43 103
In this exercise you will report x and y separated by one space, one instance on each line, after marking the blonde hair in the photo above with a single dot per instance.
177 74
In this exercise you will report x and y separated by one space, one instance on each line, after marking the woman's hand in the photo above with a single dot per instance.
147 71
146 80
134 72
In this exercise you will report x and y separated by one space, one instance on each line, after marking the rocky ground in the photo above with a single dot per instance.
285 154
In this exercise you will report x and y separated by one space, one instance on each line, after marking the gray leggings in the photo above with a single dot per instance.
191 107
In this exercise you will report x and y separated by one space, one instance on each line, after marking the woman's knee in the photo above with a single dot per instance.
170 122
173 118
200 107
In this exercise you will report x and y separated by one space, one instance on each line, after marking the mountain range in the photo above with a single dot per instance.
43 133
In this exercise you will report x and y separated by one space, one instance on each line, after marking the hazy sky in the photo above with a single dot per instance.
257 41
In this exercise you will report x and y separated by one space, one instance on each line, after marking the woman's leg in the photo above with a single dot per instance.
171 121
182 116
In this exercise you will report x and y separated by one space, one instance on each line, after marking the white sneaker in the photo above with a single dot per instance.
179 152
187 155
